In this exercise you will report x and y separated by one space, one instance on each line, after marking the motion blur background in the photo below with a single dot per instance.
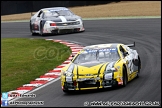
15 7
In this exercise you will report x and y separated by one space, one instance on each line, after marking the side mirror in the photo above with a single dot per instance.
72 56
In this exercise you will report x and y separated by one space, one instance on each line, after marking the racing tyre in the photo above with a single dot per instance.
33 34
125 79
66 91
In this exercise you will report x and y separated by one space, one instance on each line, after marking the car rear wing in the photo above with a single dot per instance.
131 45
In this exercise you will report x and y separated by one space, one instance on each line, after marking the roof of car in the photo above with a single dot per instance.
53 8
101 46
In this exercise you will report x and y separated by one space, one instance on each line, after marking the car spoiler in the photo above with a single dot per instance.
131 45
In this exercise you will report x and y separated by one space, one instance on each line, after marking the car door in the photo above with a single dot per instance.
36 20
128 57
134 56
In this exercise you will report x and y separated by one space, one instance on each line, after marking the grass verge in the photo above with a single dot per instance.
23 60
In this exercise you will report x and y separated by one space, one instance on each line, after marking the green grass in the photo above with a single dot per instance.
23 60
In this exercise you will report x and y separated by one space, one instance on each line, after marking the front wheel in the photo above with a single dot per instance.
31 30
67 91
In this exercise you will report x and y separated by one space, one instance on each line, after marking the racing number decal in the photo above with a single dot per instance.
130 63
131 66
129 59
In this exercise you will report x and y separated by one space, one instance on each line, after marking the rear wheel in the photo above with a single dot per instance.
65 91
125 79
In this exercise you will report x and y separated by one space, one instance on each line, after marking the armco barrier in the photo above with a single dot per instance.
50 75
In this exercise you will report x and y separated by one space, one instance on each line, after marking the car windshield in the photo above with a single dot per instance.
55 13
101 55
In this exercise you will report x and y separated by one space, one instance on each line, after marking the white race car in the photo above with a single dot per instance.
55 20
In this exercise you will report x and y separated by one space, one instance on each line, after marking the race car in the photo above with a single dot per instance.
55 20
101 66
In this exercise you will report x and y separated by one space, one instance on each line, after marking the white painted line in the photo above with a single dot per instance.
76 48
74 52
53 73
67 62
48 79
34 85
39 88
57 68
63 42
70 58
63 65
18 91
48 39
57 40
70 44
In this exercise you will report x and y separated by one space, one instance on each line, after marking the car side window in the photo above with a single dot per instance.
126 47
122 51
40 13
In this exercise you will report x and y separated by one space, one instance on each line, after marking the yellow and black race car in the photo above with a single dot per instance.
101 66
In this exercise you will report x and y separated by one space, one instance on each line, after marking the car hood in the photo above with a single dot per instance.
63 18
91 68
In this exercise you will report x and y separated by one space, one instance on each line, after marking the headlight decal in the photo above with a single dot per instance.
68 78
70 69
110 65
108 76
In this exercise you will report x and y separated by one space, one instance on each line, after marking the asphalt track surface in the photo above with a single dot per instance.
145 32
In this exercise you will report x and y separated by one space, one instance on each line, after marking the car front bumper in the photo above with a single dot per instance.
89 84
62 29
